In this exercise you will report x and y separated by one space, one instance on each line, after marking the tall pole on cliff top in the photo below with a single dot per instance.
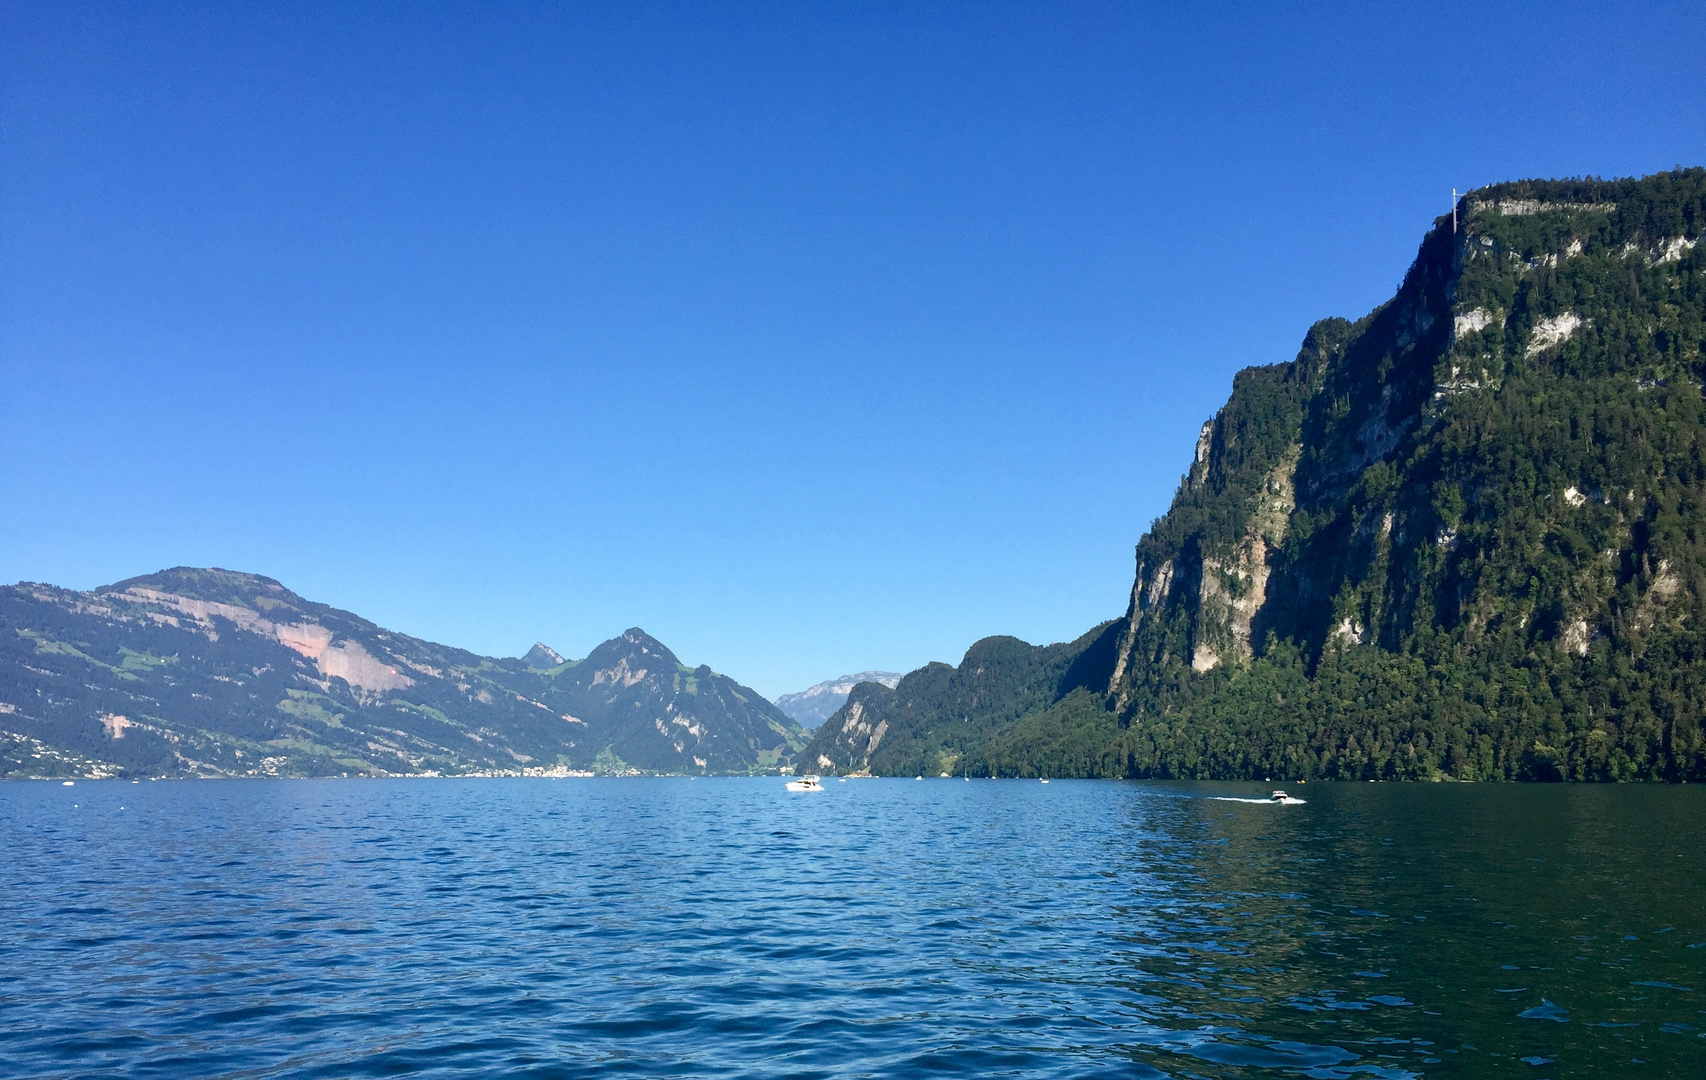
1454 211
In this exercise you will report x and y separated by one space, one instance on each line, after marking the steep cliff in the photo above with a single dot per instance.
1461 536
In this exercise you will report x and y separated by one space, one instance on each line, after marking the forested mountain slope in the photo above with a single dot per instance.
935 716
211 672
1460 537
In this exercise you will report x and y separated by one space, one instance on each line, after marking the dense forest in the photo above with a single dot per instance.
1460 538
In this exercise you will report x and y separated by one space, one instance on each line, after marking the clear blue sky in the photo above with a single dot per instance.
811 338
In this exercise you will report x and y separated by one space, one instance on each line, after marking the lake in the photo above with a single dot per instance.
674 927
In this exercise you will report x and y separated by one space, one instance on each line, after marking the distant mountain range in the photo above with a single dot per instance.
1463 538
208 672
813 705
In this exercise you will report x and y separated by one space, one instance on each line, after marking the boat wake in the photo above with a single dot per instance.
1287 801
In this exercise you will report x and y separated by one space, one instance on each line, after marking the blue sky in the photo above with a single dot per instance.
811 338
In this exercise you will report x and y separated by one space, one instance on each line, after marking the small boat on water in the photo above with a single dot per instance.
1279 796
805 783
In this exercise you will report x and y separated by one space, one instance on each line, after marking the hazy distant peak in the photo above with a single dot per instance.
815 704
543 657
846 683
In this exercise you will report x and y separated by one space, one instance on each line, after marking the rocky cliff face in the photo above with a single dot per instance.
1204 571
1499 470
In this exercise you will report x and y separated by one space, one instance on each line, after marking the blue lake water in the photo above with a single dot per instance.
668 927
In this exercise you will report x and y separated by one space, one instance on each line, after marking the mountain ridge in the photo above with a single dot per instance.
206 671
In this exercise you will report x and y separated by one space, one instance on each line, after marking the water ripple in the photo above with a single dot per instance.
661 928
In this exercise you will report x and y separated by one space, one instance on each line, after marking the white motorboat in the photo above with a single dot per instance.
805 783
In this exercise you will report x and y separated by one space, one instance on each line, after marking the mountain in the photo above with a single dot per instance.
1462 537
936 718
813 705
212 672
542 657
640 704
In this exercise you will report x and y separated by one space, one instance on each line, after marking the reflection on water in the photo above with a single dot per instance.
674 927
1423 929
